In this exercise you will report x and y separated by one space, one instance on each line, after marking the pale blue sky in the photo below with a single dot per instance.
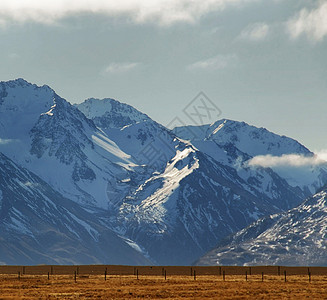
259 61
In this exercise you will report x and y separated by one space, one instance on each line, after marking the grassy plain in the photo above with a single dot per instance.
156 287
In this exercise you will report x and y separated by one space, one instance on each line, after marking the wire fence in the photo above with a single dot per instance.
224 273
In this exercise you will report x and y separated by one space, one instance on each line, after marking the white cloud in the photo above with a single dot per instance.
121 67
163 12
313 23
289 160
214 63
255 32
322 154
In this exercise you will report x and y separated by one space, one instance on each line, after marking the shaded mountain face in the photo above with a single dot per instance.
38 226
136 178
294 238
195 202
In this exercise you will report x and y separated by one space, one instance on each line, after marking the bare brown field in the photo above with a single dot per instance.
89 286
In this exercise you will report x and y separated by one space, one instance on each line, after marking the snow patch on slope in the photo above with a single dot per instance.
92 232
157 196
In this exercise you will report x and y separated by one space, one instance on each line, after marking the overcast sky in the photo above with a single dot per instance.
259 61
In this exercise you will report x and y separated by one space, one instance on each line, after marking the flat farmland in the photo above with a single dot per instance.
157 287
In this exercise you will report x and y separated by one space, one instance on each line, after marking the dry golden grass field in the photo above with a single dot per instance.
90 285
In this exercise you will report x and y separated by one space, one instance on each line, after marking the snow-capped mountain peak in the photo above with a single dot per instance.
55 140
247 138
109 113
21 104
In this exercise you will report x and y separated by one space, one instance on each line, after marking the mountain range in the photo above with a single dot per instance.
101 182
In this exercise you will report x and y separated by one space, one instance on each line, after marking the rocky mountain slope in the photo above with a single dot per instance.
296 237
38 226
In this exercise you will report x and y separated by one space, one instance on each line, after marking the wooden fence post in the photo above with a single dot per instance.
285 275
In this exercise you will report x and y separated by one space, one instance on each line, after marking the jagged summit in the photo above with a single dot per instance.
21 104
21 83
17 82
